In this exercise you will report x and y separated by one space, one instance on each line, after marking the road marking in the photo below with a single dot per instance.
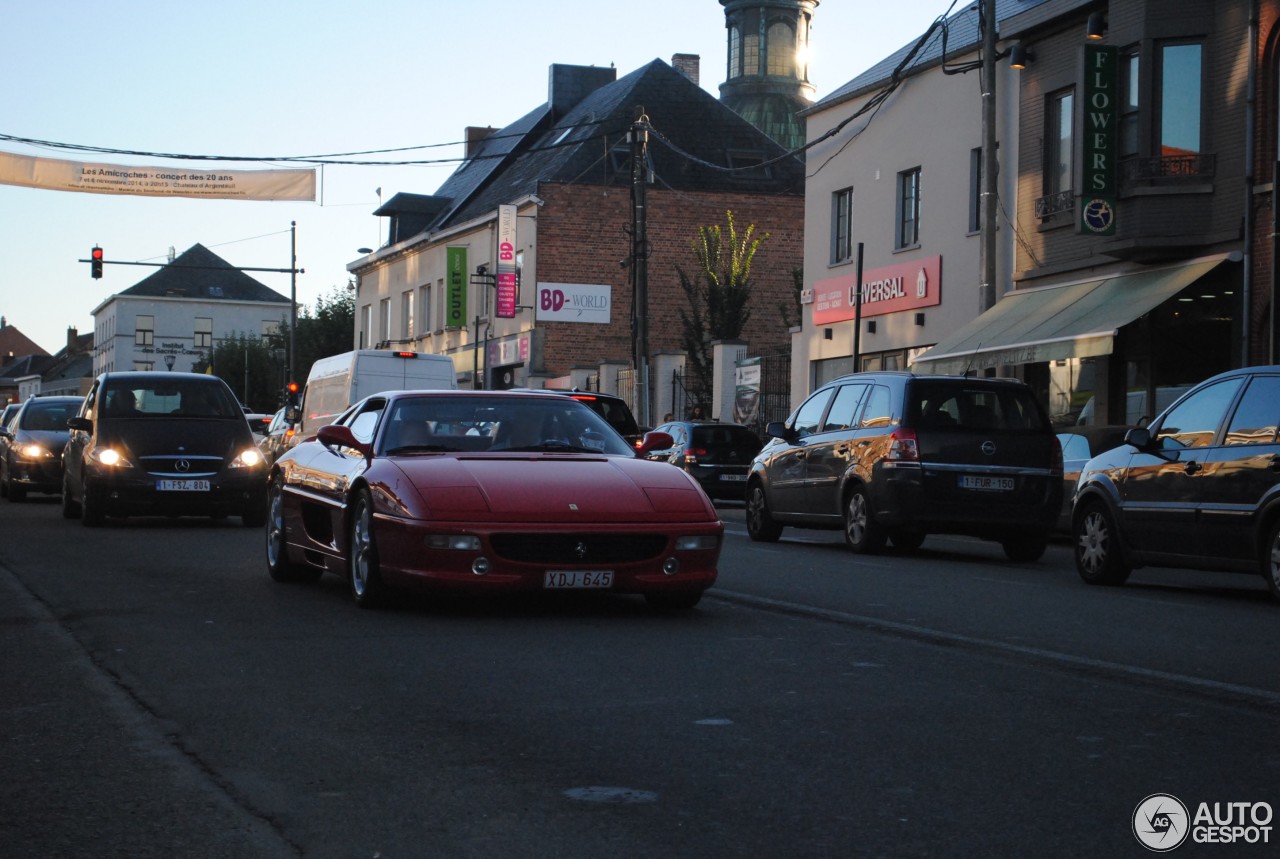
1213 688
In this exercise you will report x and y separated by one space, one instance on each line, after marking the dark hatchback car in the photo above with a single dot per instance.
1079 445
162 444
1199 488
716 455
894 457
32 444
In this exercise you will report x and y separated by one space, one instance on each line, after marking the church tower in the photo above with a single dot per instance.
767 79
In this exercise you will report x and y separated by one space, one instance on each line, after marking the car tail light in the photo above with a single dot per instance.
691 454
902 446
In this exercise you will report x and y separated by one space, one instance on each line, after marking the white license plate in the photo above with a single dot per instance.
737 477
578 579
182 485
986 484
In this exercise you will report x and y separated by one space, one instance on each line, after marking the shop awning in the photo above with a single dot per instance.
1048 323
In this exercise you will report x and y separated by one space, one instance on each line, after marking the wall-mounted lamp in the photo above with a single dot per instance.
871 326
920 319
1019 57
1097 26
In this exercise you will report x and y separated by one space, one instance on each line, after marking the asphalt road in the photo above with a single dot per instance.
163 697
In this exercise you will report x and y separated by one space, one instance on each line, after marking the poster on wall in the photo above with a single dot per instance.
746 400
508 292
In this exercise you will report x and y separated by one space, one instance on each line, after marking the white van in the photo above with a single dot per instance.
340 380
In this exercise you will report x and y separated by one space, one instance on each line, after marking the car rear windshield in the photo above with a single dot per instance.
944 404
727 440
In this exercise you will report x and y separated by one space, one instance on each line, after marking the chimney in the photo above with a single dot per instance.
474 135
569 85
687 65
72 337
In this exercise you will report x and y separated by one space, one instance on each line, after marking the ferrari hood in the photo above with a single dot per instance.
548 488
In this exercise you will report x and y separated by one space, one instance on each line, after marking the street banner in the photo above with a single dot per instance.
455 311
1101 115
53 174
508 290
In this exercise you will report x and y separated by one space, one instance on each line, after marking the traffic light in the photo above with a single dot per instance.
293 388
95 261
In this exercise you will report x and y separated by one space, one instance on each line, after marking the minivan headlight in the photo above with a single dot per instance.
248 458
109 457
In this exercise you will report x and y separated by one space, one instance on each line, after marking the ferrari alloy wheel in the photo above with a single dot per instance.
760 524
362 555
1271 559
1097 548
861 532
279 565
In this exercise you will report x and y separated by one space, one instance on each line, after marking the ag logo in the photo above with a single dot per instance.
1161 822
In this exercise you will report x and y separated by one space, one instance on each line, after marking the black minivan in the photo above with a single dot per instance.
162 444
893 456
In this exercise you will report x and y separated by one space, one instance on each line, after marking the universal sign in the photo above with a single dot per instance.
905 286
1098 200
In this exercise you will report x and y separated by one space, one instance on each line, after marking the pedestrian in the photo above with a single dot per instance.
696 414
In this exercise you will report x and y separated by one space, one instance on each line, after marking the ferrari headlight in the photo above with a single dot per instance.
110 457
248 458
696 543
33 451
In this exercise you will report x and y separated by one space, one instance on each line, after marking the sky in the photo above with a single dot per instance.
288 78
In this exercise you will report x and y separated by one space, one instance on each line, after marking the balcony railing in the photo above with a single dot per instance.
1052 204
1168 167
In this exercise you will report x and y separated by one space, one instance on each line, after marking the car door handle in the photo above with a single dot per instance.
1192 467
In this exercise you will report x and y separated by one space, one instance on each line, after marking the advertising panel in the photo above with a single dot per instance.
573 302
508 290
455 310
904 286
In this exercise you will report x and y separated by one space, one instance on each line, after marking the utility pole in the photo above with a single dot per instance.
990 165
293 302
640 261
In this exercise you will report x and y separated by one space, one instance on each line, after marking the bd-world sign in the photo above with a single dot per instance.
1098 197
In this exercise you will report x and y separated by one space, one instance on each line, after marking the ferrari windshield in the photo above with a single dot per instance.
436 423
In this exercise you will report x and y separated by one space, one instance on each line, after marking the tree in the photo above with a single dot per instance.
796 306
325 331
719 299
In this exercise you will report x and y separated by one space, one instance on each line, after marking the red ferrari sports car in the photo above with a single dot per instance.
488 492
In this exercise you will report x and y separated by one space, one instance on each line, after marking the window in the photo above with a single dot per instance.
384 320
144 330
844 408
781 50
1180 77
975 190
1128 137
144 366
406 315
270 329
751 54
735 52
1059 157
424 309
809 414
366 325
842 225
204 333
879 409
908 208
1255 419
1194 422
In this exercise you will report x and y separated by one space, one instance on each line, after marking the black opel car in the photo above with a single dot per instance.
1199 488
716 455
162 444
892 456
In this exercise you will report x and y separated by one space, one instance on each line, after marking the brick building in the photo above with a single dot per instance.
556 185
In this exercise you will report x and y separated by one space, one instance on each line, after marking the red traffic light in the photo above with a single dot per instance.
95 262
293 387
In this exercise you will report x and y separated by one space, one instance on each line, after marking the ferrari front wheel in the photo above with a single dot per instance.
362 555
